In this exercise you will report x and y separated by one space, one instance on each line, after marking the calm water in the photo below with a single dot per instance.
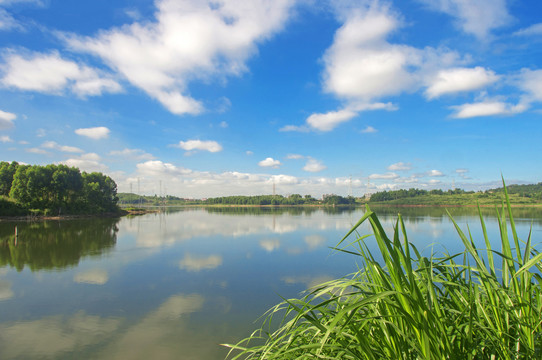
175 285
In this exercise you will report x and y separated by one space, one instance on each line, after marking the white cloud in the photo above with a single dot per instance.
249 153
288 128
6 120
314 165
460 79
195 264
461 171
49 73
369 130
434 173
5 139
330 120
89 162
7 22
387 176
63 148
474 17
37 151
157 167
361 64
270 162
136 154
400 166
533 30
95 133
294 157
487 108
530 81
191 145
189 40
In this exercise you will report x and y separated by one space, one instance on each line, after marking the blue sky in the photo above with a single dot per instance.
207 98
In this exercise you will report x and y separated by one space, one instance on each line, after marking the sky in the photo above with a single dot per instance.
198 98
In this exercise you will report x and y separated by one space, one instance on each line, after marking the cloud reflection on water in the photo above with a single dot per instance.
195 264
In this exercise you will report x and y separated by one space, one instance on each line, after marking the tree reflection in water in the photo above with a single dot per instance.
53 245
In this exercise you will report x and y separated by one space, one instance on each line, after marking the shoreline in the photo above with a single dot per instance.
157 209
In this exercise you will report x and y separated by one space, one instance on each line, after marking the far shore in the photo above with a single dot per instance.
157 208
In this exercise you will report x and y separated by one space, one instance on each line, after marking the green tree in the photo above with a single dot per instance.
7 171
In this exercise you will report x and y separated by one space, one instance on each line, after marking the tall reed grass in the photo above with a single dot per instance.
478 304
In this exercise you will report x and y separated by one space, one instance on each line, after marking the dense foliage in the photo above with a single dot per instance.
479 304
54 189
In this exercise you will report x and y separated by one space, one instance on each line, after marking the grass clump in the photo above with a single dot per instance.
478 304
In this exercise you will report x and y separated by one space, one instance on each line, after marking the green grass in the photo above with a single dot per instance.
478 304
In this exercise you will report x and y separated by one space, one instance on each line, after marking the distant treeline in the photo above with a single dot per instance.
294 199
410 193
519 194
54 190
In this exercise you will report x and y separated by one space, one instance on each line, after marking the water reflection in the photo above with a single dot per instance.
174 285
54 336
55 244
195 264
175 226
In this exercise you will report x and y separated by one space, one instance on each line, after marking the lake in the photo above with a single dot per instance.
177 284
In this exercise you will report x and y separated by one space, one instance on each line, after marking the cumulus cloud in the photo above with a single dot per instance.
193 145
330 120
5 139
455 80
6 120
64 148
387 176
369 130
49 73
314 165
95 133
361 64
157 167
400 166
270 162
89 162
135 154
487 108
474 17
434 173
37 151
188 40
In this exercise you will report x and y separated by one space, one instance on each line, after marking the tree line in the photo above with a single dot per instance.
54 190
258 200
410 193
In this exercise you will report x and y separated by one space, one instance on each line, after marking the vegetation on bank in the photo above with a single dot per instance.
54 190
129 199
518 194
478 304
